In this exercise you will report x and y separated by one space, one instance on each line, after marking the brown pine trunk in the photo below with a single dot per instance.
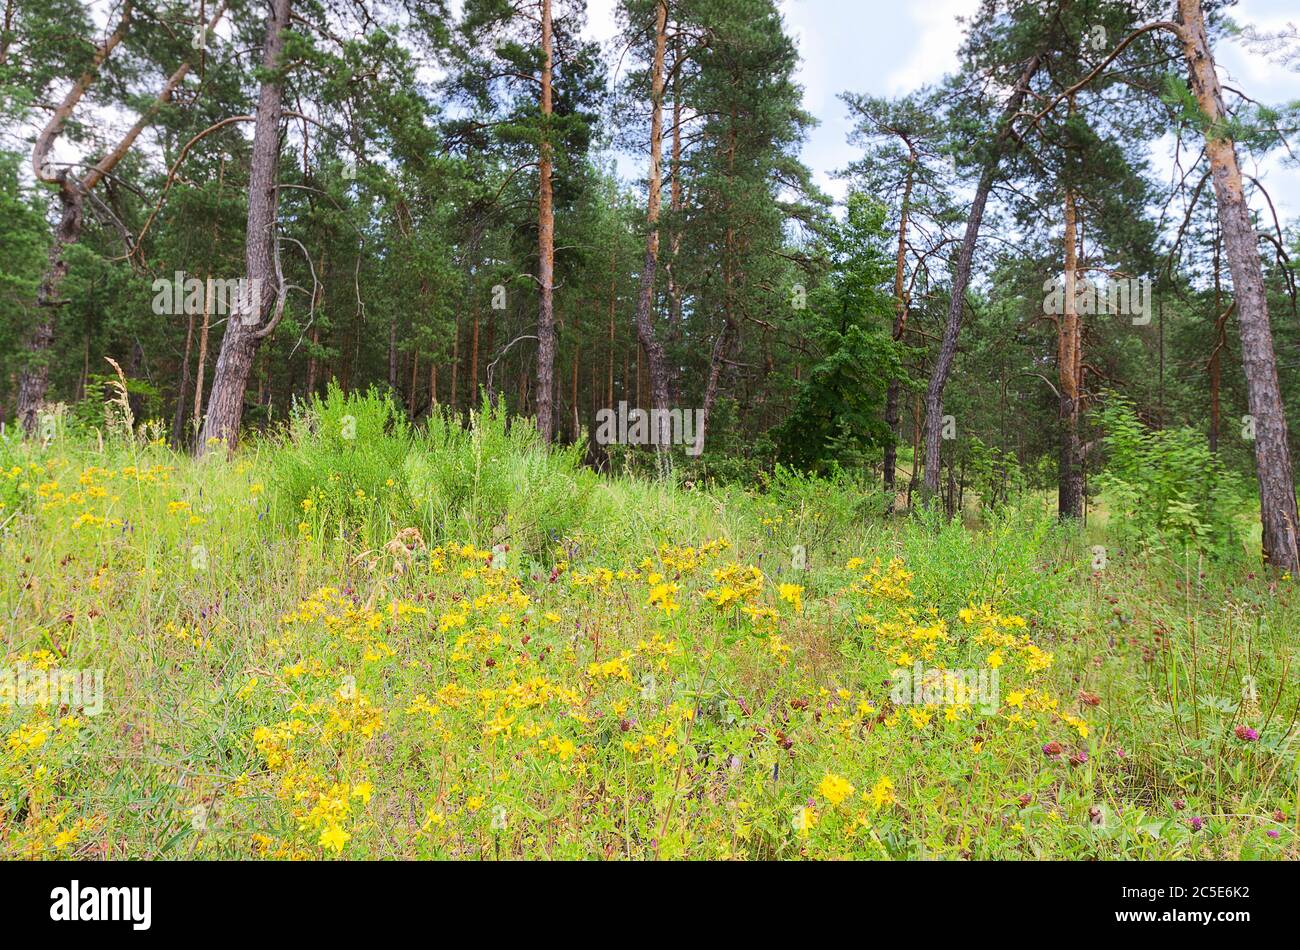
613 288
490 346
392 353
545 249
645 320
1277 501
573 390
1215 365
675 198
894 387
85 363
313 365
201 369
1069 490
255 320
178 420
960 278
455 364
915 475
473 365
415 381
34 379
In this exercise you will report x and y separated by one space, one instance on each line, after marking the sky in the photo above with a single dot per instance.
889 47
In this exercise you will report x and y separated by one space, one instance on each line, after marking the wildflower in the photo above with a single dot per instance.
69 836
792 594
334 837
835 788
882 793
664 596
562 749
1196 824
1247 734
1079 725
778 649
1052 750
26 738
805 819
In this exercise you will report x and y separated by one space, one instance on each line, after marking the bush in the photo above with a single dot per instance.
1165 487
342 466
496 482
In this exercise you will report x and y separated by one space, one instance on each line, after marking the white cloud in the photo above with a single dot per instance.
934 43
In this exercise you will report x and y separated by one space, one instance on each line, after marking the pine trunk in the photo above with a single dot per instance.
253 322
1277 500
545 249
960 278
894 387
34 379
1069 491
645 321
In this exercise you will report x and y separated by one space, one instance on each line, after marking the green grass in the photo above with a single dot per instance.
449 702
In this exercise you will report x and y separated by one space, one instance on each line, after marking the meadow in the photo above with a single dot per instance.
352 638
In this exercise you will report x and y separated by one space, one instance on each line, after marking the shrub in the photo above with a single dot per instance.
1165 487
342 466
497 482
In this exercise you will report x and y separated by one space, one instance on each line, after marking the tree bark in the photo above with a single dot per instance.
675 201
960 278
613 298
178 420
1069 361
721 351
645 321
392 354
473 365
258 315
34 380
545 249
455 364
1277 500
894 387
